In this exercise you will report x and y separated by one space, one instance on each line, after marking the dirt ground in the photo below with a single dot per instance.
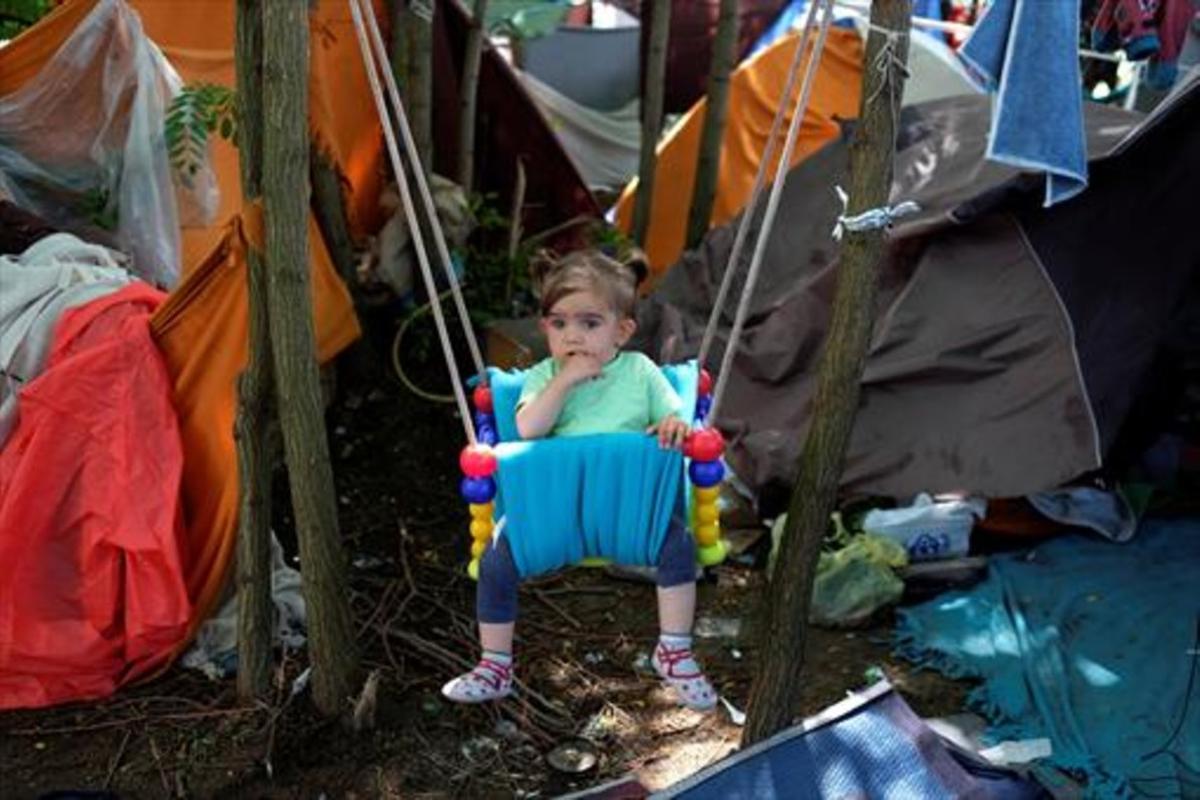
583 647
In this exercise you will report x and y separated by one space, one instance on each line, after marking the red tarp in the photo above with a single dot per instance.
92 594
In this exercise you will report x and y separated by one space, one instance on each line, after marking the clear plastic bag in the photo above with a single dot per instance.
81 144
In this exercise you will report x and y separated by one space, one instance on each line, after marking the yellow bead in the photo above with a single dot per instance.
707 534
481 529
482 510
706 495
594 561
478 547
712 554
707 513
473 569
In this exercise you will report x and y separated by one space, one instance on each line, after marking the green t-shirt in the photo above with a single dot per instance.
630 394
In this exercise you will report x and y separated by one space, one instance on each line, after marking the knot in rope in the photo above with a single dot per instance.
872 219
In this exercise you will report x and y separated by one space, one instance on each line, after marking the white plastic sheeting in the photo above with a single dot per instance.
81 144
603 144
54 274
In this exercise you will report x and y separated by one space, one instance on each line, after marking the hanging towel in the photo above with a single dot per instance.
1027 53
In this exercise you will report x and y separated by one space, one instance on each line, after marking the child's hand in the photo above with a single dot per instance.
671 431
580 367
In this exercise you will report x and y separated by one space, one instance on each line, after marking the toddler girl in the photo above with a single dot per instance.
588 385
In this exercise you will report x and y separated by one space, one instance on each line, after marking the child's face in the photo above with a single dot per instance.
583 323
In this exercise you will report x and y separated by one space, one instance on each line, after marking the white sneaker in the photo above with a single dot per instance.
678 667
489 680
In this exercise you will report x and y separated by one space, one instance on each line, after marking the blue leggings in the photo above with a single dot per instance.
496 595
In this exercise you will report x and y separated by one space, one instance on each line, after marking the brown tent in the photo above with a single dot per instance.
1011 341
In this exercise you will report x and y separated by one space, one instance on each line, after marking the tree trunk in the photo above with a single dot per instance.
652 113
420 78
469 95
329 207
331 642
399 49
251 428
708 160
775 695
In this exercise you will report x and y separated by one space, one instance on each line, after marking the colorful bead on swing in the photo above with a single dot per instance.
703 406
482 397
705 384
712 554
486 434
707 534
706 473
706 444
477 490
477 461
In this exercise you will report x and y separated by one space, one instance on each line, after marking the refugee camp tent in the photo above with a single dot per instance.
689 47
509 131
1011 341
595 64
754 92
200 331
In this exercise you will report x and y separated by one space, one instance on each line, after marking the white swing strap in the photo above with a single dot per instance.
739 241
764 233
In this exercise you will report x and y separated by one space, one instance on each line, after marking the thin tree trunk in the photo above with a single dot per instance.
251 428
652 113
420 78
332 647
708 160
469 95
775 695
329 207
399 49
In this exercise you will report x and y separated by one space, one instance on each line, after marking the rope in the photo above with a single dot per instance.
735 255
872 219
435 225
768 221
389 136
408 382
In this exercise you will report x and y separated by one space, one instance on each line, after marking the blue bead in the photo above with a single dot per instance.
484 420
487 435
477 490
703 405
706 473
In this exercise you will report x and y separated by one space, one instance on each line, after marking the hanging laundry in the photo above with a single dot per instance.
1145 29
1027 53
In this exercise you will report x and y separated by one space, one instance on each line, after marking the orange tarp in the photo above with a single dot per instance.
201 329
754 94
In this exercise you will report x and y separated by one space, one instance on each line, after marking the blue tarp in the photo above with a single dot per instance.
1090 644
870 745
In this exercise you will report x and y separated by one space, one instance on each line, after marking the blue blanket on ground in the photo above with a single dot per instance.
1090 644
1027 51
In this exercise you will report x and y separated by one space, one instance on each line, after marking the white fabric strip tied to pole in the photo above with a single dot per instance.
739 241
760 246
410 213
871 219
418 173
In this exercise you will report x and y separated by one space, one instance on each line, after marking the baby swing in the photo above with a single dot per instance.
602 497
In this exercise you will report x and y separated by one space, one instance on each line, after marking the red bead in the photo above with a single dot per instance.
478 461
482 398
706 383
706 444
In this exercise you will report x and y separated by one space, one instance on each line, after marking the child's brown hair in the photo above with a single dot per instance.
556 277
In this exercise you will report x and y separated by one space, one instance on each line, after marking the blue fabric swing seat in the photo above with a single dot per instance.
609 495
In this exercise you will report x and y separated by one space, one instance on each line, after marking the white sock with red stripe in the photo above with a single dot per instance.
491 679
675 664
